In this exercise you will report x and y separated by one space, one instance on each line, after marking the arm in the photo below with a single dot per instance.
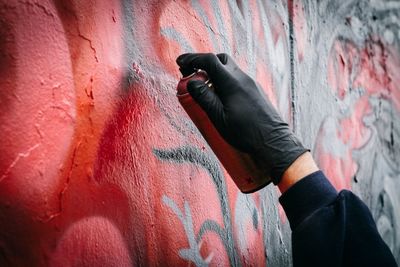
303 166
328 229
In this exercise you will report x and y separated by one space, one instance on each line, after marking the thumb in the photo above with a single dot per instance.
208 101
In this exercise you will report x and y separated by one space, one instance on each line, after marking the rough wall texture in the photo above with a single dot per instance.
100 166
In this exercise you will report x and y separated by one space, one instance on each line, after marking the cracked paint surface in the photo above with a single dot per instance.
100 166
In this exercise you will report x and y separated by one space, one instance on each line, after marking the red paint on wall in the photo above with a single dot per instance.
99 165
93 241
80 181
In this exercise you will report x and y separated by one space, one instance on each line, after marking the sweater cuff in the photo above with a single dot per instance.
306 196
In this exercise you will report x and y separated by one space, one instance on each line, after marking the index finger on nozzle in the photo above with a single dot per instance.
183 68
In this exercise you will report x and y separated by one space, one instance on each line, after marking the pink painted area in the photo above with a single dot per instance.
257 23
179 16
38 116
36 91
265 80
340 67
299 26
359 134
368 69
339 170
92 241
377 72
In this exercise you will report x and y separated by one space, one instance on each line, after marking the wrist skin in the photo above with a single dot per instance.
300 168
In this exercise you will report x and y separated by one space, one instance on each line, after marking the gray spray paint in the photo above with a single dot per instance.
360 23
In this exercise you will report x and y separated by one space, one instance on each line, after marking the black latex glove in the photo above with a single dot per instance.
241 112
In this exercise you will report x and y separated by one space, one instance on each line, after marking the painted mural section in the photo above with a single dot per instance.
100 166
348 95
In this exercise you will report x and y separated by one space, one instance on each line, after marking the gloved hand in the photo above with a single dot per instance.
241 112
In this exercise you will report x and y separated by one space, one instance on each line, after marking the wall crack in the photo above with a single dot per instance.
17 159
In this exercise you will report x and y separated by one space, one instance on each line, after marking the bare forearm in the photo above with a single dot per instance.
300 168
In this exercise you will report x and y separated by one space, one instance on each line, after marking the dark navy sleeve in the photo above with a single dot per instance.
331 228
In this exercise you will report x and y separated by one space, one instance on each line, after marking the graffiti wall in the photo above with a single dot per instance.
100 166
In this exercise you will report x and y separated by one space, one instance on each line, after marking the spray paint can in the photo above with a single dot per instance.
248 173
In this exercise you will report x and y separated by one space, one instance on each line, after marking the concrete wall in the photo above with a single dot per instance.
100 166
